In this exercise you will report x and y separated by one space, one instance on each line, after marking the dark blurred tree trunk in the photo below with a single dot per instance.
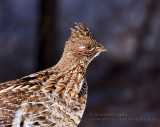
151 8
47 49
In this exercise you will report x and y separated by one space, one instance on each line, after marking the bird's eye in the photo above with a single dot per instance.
88 47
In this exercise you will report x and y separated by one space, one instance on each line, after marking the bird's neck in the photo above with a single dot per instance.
71 62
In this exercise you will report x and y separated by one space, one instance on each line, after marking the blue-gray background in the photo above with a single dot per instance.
124 83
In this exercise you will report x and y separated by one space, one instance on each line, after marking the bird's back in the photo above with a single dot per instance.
47 98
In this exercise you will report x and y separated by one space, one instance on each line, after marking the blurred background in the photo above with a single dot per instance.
124 83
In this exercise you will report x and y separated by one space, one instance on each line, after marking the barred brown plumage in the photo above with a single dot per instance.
56 96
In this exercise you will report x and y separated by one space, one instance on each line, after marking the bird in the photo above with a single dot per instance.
54 97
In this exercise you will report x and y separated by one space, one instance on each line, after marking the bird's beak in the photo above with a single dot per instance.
101 48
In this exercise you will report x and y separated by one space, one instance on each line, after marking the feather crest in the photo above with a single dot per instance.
81 31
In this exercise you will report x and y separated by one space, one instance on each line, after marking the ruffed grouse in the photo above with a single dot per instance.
56 96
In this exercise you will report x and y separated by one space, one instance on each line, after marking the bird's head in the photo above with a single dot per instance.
81 46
